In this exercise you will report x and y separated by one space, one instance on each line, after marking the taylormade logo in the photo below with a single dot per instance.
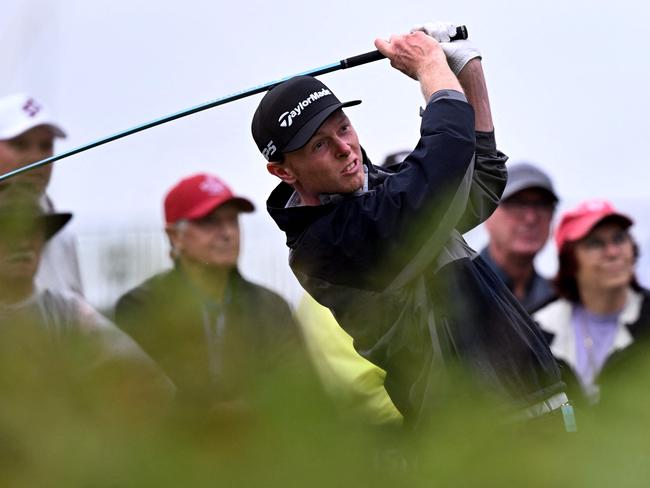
286 119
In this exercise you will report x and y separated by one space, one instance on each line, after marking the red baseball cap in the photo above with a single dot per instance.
196 196
577 223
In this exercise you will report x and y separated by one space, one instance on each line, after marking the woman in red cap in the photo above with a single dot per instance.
601 313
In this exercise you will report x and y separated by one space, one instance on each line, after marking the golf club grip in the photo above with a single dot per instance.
369 57
360 59
461 34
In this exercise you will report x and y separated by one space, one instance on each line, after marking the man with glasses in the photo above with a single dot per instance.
518 229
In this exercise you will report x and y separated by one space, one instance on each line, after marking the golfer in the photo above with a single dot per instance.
383 249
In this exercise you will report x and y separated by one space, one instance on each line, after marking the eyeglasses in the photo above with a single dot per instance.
599 244
520 207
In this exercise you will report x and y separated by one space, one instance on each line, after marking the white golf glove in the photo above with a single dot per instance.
458 53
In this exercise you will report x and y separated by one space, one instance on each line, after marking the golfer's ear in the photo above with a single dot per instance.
281 171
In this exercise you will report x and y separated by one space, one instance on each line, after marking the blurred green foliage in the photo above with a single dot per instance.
61 427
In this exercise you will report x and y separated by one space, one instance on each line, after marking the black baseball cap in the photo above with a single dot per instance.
21 207
291 113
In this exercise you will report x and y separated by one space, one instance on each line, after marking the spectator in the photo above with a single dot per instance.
211 330
518 229
602 315
383 249
27 134
31 317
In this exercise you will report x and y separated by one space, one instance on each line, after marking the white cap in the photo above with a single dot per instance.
20 112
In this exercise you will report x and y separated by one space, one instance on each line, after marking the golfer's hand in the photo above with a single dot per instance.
412 53
419 56
458 53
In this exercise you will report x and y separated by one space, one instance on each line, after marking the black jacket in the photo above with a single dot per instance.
167 317
392 266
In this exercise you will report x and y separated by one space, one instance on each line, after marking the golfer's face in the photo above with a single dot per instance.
331 161
30 146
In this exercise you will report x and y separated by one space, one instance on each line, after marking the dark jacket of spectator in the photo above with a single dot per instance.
211 352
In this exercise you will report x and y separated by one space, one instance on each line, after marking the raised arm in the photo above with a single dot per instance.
472 80
489 173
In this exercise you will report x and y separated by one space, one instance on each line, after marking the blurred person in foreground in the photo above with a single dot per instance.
518 230
51 329
383 249
27 134
211 330
602 315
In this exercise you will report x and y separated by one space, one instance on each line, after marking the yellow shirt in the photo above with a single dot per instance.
350 378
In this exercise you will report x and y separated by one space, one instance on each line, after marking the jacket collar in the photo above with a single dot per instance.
294 219
555 319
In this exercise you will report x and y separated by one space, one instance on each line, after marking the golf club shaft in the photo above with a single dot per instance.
343 64
461 33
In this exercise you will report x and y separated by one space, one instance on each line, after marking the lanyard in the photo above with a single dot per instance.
214 328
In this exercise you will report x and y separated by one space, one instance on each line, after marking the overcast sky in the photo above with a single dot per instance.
566 79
